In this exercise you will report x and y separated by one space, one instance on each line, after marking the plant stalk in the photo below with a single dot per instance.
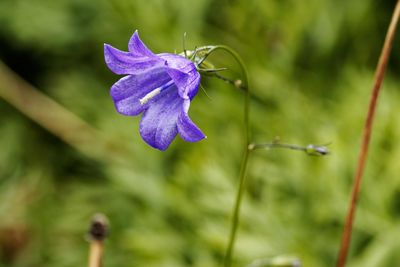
379 74
246 154
97 233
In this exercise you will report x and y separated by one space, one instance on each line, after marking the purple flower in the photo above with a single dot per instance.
160 86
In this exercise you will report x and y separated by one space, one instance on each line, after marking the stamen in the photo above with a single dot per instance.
149 96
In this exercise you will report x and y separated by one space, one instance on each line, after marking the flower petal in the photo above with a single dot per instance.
121 62
158 125
186 128
184 73
137 47
177 62
187 83
128 91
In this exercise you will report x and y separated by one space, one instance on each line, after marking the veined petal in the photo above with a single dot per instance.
184 73
129 90
137 47
187 83
121 62
158 125
186 128
177 62
142 82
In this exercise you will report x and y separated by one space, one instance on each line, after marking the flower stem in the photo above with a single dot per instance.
311 149
244 84
236 209
246 154
379 74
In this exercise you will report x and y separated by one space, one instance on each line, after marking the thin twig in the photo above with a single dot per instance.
45 111
311 149
379 74
97 233
56 119
235 83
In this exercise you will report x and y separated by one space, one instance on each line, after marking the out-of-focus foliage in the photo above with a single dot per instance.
311 66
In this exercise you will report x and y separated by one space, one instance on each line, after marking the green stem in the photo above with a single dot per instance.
246 153
278 145
236 209
311 149
249 147
244 85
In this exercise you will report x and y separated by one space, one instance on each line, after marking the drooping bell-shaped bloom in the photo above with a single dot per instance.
160 86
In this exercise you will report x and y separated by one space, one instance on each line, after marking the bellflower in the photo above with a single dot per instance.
159 86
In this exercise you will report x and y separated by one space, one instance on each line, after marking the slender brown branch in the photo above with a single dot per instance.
45 111
96 253
97 233
56 119
379 74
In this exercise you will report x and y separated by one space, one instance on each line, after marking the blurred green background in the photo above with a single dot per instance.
311 66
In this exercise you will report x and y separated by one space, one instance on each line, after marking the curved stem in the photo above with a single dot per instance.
380 71
244 84
243 168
